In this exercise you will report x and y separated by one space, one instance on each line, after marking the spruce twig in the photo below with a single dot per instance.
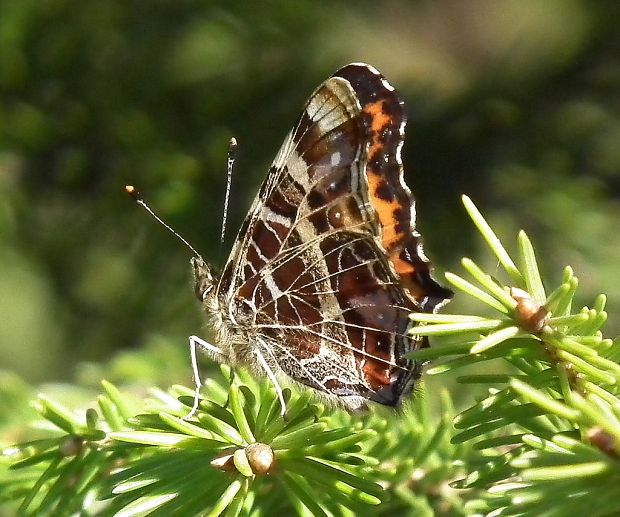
552 431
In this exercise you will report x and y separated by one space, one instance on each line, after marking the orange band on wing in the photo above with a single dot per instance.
385 209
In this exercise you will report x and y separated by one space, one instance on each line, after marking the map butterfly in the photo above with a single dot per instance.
328 264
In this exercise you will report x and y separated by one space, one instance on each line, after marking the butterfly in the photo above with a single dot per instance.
328 265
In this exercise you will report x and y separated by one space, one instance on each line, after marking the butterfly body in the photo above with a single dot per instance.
327 265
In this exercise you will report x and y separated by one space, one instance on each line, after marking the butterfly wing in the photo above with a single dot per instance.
328 264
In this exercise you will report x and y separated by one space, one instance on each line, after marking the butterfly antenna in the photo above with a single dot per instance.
135 195
230 160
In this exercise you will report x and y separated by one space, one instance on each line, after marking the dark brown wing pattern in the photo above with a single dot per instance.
328 264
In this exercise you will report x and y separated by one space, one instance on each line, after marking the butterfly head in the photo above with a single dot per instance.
204 282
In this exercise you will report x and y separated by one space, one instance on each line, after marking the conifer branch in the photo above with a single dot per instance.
543 441
552 427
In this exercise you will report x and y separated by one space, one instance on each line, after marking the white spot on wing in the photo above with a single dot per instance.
399 147
271 216
272 286
421 253
298 169
387 85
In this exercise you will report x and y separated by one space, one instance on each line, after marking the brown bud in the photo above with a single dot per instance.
260 458
532 315
71 446
602 440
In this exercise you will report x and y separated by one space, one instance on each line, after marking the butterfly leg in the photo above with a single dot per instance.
210 351
273 380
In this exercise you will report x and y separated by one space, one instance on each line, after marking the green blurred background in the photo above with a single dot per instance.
516 103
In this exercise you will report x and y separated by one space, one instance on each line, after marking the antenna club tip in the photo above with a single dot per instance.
131 190
233 142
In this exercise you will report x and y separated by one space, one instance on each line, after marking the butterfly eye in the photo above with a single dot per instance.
203 279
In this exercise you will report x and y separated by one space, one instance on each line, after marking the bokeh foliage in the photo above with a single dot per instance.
515 103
